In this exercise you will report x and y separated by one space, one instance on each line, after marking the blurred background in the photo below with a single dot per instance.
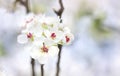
94 52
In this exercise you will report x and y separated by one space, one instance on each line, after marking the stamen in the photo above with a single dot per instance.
44 25
67 38
53 35
29 35
44 48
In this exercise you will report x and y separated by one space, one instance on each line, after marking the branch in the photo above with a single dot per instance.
58 61
33 66
42 69
60 11
25 3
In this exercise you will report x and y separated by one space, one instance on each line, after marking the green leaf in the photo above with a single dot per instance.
98 30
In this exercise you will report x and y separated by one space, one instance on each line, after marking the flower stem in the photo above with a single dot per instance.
42 69
33 66
58 61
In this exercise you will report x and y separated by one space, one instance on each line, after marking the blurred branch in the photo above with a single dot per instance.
60 11
25 3
114 29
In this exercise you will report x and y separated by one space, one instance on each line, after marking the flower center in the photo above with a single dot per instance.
67 38
29 35
44 48
53 36
44 25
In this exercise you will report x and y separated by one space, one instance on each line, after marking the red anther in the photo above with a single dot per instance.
29 35
44 48
67 38
53 35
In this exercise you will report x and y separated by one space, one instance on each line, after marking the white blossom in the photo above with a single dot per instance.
42 52
44 34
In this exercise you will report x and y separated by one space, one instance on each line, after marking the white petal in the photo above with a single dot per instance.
22 39
47 33
66 29
34 54
29 16
53 51
49 42
60 34
25 31
43 60
38 42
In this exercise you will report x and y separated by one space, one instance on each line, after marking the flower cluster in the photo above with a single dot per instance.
44 34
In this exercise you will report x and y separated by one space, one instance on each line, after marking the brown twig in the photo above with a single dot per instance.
33 66
42 69
59 59
60 11
25 3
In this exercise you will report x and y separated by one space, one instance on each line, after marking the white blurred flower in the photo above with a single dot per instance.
2 73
